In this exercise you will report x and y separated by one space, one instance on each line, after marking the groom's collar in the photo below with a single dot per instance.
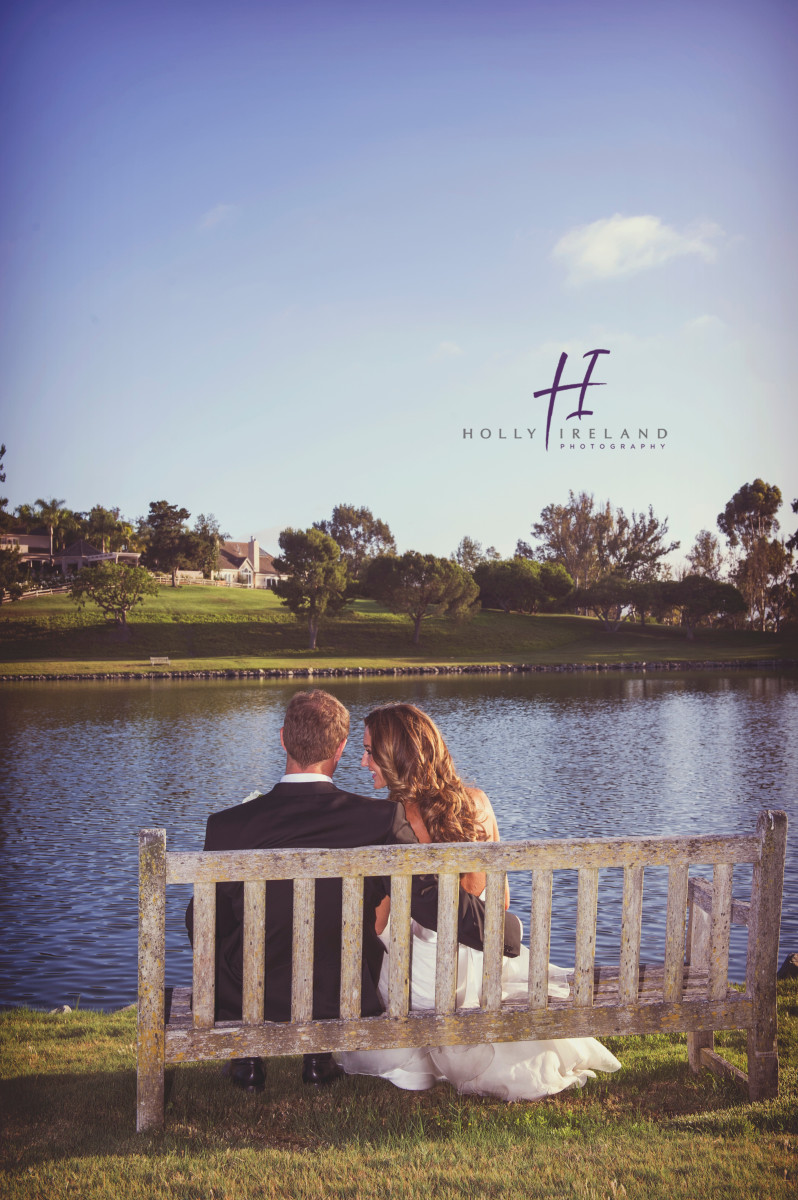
306 777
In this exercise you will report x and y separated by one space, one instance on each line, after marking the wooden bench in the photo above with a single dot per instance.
687 992
155 661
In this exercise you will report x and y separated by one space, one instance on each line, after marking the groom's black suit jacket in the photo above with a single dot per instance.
317 814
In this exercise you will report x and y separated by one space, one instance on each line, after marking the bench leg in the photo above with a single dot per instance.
696 1042
151 1033
763 948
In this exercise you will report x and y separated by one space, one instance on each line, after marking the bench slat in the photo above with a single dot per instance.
720 929
675 918
204 953
559 854
351 947
254 951
399 961
540 938
586 912
631 926
302 958
494 940
446 957
467 1026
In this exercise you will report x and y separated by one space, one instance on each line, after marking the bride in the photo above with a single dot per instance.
405 752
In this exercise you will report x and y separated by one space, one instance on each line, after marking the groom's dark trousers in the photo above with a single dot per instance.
313 815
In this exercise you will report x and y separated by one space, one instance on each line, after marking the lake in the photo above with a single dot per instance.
84 765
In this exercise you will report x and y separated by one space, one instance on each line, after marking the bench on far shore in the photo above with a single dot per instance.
688 992
156 661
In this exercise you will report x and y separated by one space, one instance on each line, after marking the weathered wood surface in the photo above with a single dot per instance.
150 1040
763 952
631 928
399 958
540 937
586 912
675 917
700 895
446 955
494 941
302 961
204 953
556 854
687 992
423 1028
254 951
351 947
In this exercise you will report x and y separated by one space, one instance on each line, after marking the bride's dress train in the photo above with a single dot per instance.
509 1070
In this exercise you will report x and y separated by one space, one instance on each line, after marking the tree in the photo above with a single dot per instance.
748 521
51 514
706 557
114 588
421 585
169 545
609 598
468 554
360 536
700 598
209 538
522 584
108 527
317 576
750 515
3 499
569 534
632 547
10 573
759 575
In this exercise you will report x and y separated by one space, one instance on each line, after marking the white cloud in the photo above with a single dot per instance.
447 350
619 245
216 216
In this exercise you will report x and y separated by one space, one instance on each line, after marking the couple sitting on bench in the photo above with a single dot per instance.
404 751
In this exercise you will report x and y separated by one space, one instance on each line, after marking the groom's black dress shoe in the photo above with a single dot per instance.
320 1069
247 1073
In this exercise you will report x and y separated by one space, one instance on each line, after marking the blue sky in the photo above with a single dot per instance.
263 258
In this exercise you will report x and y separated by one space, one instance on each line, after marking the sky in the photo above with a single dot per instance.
260 259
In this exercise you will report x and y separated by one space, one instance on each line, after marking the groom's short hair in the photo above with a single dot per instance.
315 724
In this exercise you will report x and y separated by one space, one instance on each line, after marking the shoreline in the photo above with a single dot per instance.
736 664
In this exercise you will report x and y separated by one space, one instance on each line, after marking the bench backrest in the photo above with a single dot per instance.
542 858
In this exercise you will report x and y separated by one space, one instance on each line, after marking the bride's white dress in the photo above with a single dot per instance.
509 1070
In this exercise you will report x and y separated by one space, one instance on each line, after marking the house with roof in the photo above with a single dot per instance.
244 563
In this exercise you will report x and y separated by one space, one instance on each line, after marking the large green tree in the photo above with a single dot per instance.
359 535
114 588
522 584
701 599
10 573
421 585
169 543
317 577
749 521
209 538
4 518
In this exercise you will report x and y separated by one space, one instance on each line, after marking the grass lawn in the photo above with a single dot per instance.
653 1130
218 628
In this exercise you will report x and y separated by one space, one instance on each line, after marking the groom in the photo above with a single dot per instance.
306 809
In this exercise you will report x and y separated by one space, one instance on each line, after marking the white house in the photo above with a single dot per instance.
245 563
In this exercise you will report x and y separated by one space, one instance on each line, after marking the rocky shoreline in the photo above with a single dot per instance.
757 664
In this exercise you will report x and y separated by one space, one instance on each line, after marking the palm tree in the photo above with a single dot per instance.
51 514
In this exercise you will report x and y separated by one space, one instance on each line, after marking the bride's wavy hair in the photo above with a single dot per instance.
408 748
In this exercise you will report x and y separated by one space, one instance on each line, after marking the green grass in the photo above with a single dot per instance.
216 629
652 1130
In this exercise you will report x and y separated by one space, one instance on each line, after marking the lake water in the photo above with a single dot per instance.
84 765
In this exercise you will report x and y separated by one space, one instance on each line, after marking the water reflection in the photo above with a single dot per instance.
82 766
